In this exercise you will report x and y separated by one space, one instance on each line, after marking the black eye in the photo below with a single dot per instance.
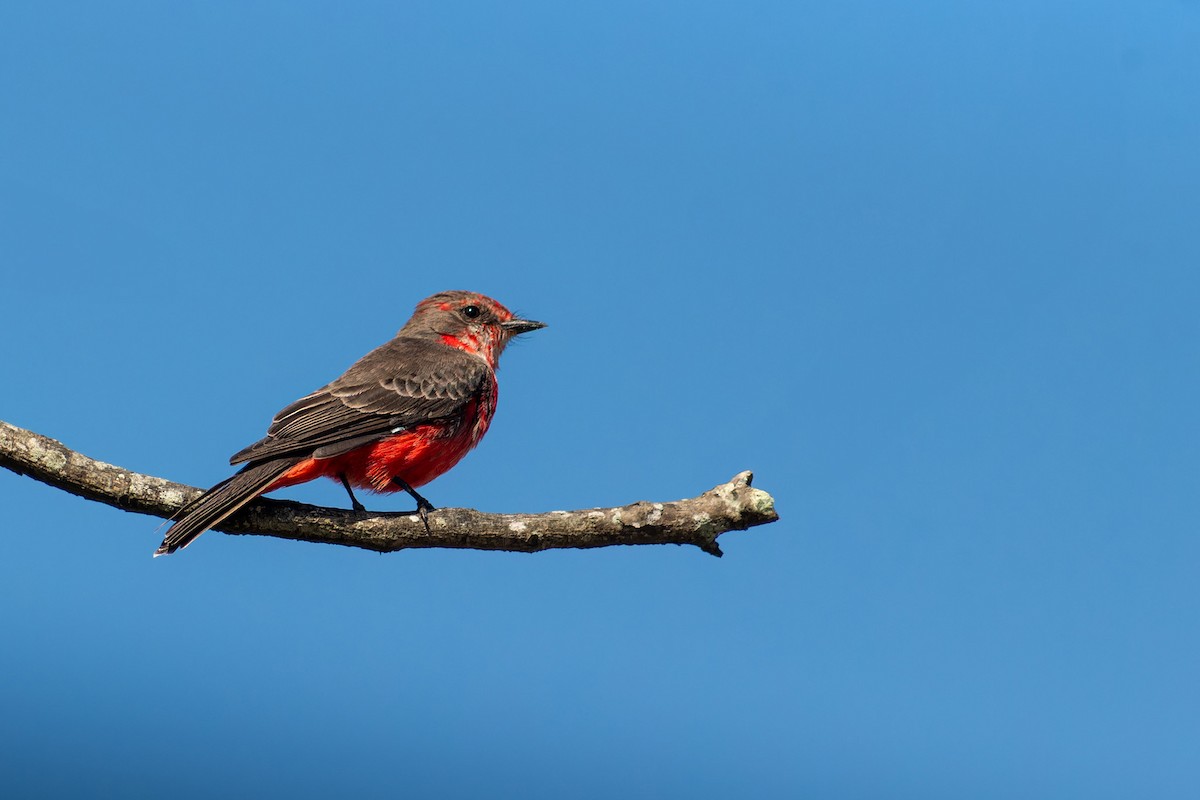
471 312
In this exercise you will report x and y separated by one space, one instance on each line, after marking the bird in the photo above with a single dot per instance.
399 417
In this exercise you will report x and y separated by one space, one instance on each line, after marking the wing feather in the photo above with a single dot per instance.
404 383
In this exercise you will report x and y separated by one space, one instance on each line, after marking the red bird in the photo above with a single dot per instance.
399 417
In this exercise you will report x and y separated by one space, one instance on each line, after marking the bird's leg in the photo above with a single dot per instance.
423 505
359 507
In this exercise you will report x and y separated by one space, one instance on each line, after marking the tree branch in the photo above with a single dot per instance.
699 521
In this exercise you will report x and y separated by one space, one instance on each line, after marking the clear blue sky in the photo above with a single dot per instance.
930 269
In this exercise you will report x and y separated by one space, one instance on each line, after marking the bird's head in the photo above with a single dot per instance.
468 321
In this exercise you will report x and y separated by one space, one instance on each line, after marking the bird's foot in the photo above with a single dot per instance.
423 505
423 509
357 506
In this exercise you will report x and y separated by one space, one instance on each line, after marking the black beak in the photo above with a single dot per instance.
516 326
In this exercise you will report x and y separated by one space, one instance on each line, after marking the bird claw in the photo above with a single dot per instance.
423 510
423 505
357 506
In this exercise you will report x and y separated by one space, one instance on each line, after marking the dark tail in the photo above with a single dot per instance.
221 501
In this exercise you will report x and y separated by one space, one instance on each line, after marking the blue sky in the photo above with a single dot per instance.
928 268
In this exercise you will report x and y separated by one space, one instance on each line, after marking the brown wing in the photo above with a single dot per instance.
405 382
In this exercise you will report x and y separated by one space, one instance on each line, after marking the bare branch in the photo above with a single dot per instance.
699 521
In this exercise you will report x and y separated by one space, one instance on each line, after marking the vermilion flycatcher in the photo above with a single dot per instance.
399 417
